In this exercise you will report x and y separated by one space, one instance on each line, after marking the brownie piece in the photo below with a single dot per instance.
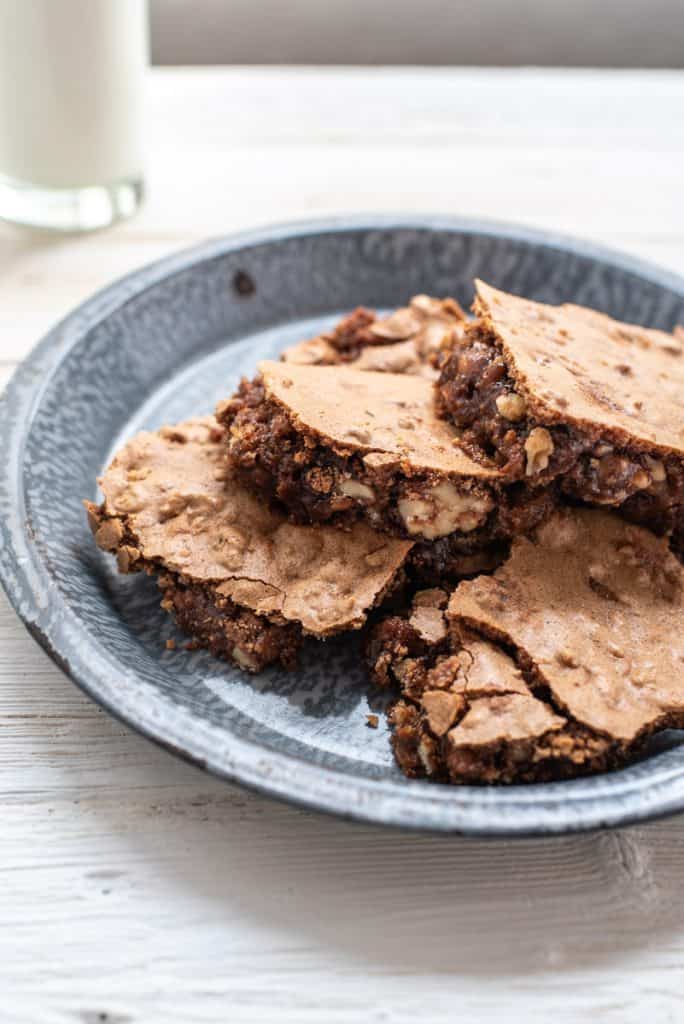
561 663
406 341
238 577
544 392
334 444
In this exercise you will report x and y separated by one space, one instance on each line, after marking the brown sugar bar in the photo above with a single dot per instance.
406 341
335 445
544 392
562 663
238 577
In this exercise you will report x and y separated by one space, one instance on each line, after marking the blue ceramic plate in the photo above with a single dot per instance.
166 343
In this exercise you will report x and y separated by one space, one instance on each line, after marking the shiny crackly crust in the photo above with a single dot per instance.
465 714
406 341
316 478
213 620
502 420
563 661
237 576
595 604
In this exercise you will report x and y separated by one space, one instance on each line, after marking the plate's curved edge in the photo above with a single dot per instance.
325 790
274 776
280 775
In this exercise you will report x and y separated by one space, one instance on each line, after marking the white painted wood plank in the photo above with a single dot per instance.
134 886
594 154
379 104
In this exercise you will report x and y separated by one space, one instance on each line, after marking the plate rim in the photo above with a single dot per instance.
31 593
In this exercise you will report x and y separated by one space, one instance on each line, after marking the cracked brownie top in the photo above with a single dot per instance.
566 393
406 341
562 662
594 605
333 444
577 366
386 414
171 502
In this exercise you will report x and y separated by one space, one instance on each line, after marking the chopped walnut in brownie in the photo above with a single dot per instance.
562 392
335 445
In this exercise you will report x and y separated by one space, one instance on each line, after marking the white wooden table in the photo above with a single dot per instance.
135 889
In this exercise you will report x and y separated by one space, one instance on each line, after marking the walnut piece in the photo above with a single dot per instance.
443 510
538 448
427 755
511 406
656 469
641 479
244 659
355 489
429 624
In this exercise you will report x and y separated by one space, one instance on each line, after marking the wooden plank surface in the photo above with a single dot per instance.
136 889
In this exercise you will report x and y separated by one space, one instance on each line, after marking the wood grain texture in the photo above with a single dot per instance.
136 889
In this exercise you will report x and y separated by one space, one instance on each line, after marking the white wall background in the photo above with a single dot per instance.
584 33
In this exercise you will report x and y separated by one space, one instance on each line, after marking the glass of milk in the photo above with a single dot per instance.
72 78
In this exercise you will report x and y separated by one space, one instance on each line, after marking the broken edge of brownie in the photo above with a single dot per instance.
545 392
406 341
239 579
562 663
335 445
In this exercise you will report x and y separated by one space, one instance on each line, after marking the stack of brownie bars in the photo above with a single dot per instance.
499 501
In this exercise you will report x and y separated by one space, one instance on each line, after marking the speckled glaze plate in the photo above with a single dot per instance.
167 342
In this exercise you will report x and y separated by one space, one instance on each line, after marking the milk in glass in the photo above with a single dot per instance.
72 78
